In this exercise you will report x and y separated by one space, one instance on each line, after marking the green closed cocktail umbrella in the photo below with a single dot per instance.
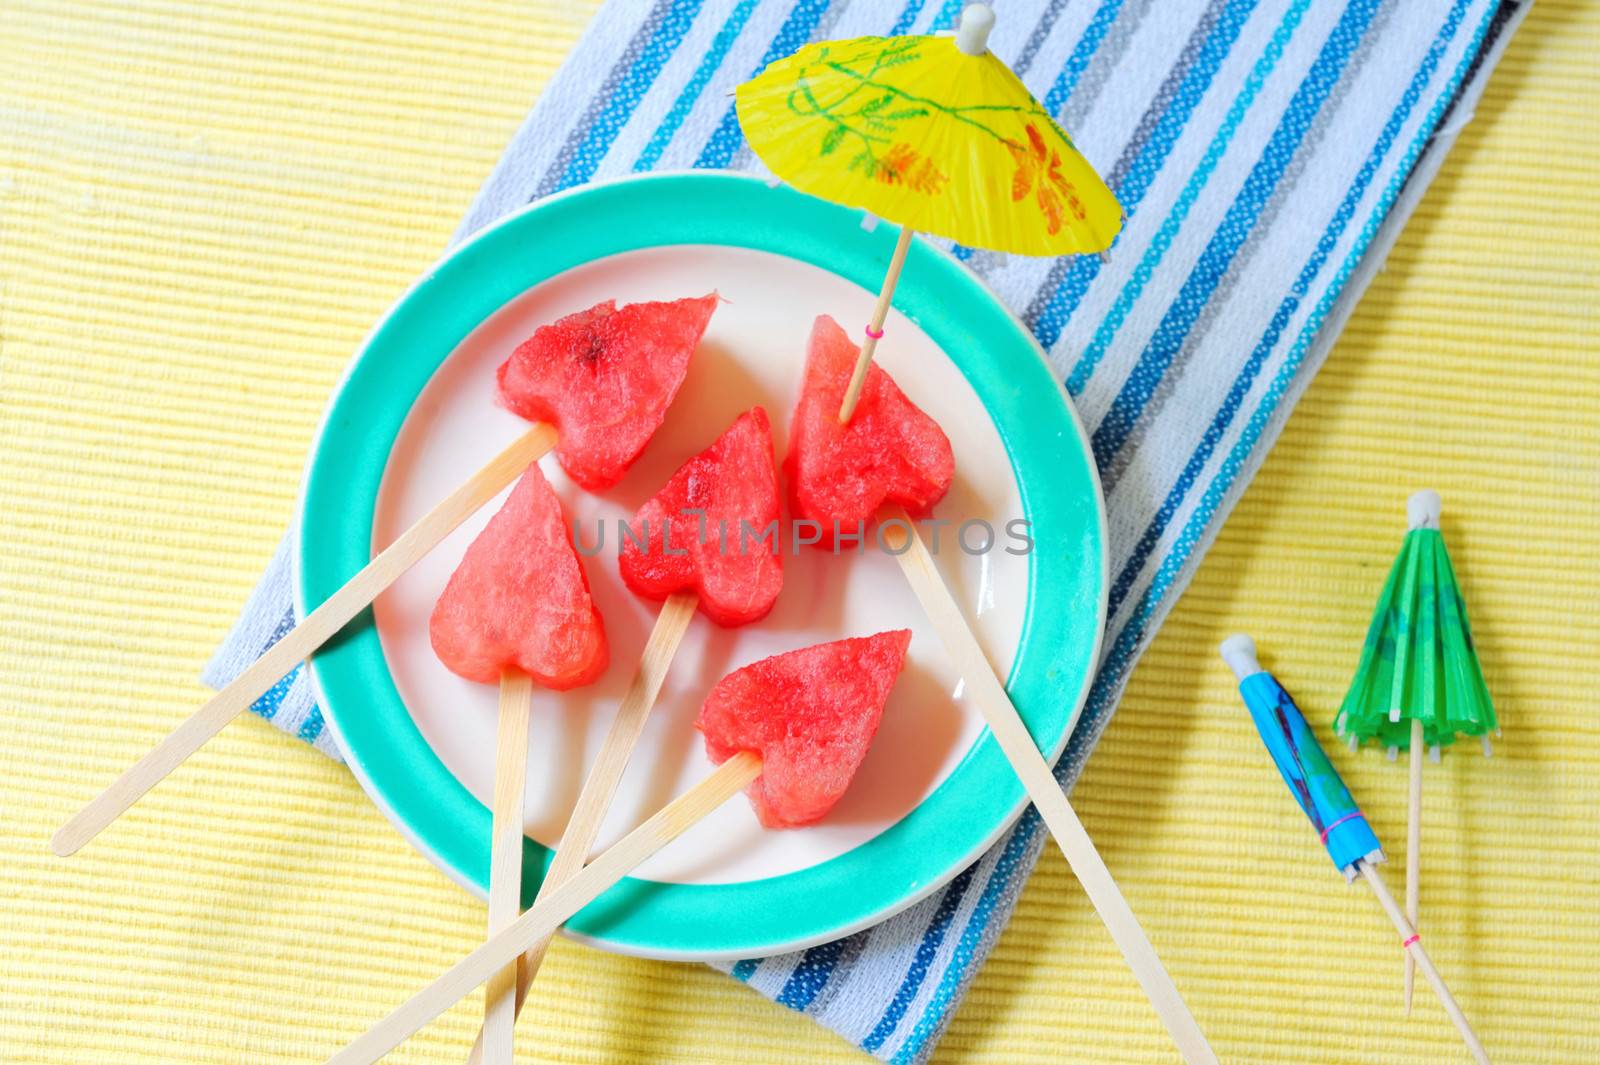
1418 684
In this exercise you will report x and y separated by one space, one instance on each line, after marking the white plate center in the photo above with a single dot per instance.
753 353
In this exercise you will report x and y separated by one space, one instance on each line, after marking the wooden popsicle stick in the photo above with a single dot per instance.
298 644
1414 851
858 377
505 856
601 784
1413 946
899 534
545 916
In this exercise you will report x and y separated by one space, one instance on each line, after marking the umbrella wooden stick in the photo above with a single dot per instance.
900 537
1414 850
875 328
1413 948
599 788
315 630
547 915
505 855
1422 511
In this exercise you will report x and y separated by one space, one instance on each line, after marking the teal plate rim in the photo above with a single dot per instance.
1043 437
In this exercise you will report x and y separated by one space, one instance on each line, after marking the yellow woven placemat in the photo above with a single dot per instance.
202 209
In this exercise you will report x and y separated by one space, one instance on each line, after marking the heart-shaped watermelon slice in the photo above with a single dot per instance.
520 600
711 529
810 714
890 450
604 378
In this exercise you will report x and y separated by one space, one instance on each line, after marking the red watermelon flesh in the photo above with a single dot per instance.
733 481
604 378
890 450
520 599
810 715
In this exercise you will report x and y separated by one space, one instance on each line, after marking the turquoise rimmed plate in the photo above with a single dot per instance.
1023 546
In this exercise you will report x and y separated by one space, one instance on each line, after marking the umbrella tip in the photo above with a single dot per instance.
1423 509
1239 651
972 34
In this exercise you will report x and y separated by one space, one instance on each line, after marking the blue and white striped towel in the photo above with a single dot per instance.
1266 153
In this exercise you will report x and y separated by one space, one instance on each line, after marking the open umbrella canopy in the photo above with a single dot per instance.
923 132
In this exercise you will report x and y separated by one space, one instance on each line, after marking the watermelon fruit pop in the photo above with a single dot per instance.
700 532
889 450
604 378
519 600
730 485
517 610
810 714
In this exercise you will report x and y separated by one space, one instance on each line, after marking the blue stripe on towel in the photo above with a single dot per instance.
1009 862
1130 191
690 94
311 728
1231 233
810 975
1173 563
641 76
908 16
1285 312
1191 192
932 937
1078 62
272 699
946 16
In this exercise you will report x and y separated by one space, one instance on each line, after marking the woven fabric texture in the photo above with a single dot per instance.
1226 128
201 211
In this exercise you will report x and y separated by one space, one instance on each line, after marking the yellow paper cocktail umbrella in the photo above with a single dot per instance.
935 134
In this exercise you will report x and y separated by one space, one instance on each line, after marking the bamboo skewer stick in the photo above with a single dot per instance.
1040 783
1413 947
601 784
546 916
858 378
299 643
505 856
1414 851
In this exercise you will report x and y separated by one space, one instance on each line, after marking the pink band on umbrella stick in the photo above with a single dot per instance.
1336 824
875 334
1413 939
